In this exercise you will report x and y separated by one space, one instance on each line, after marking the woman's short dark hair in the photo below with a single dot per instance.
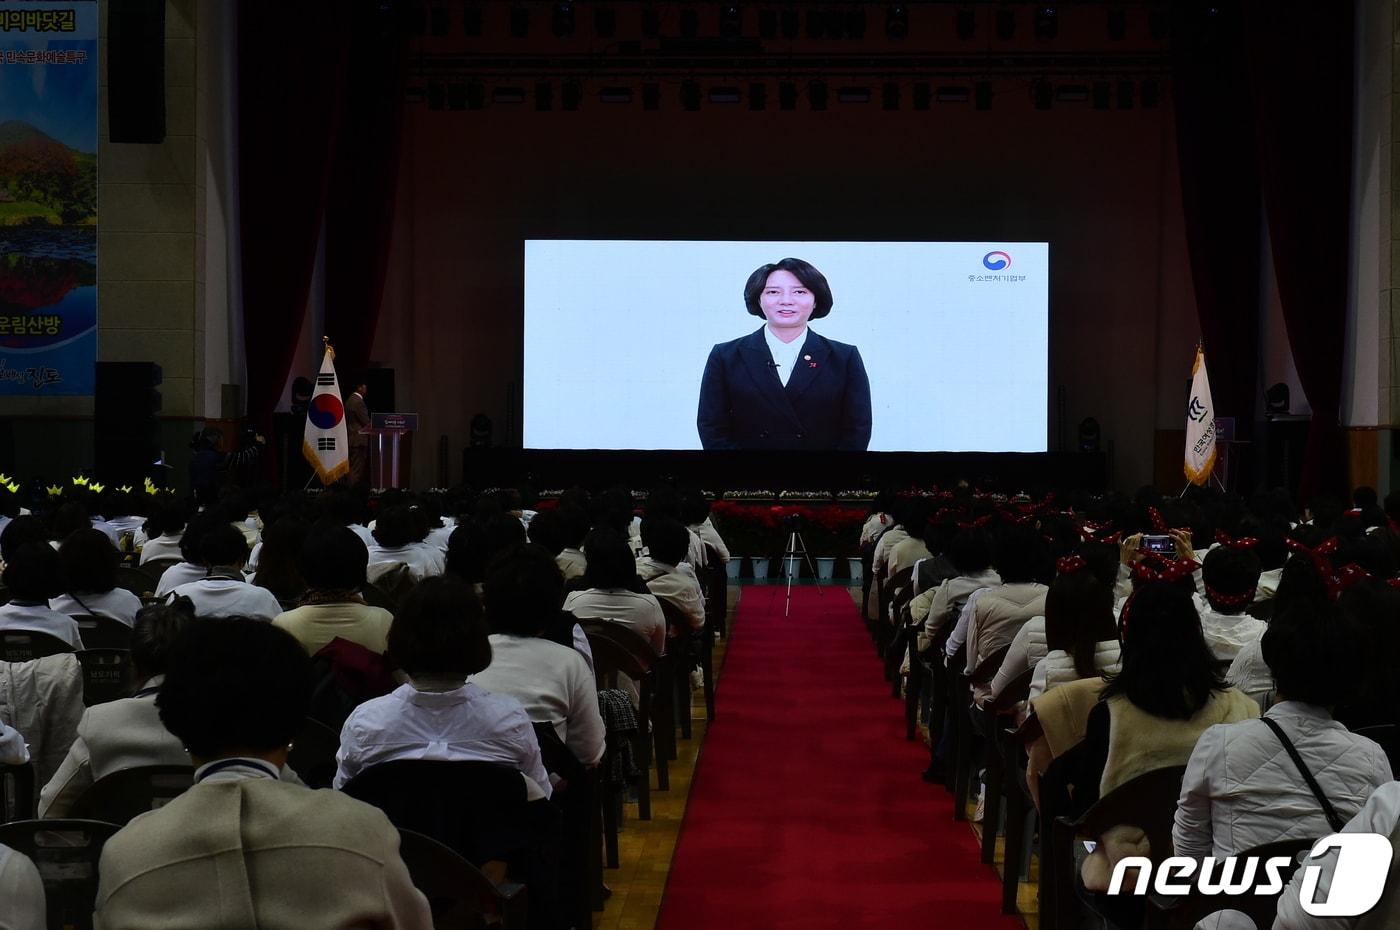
1300 580
154 632
1103 559
502 533
574 523
466 552
34 572
396 527
334 558
970 551
610 560
168 517
89 562
667 540
1078 616
811 278
1167 668
547 530
224 544
1231 577
234 684
439 630
192 542
67 519
1020 553
22 530
524 591
1313 650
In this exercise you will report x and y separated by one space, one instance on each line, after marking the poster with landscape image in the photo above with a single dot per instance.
48 197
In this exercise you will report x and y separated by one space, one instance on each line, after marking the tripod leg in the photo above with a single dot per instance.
808 559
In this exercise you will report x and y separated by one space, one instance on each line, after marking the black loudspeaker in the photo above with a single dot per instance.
136 71
126 422
380 382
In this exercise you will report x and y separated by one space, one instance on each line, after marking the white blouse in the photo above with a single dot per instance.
677 584
162 547
423 560
466 724
118 603
219 597
38 618
22 890
178 574
640 613
554 684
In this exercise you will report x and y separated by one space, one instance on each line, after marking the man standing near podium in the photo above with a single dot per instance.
356 422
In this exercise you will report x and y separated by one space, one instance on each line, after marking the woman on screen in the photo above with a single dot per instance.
783 386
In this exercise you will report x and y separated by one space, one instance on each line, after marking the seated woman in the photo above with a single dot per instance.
159 538
33 575
21 888
554 683
1146 717
333 561
439 638
970 551
1243 788
667 573
90 571
1299 583
1231 576
398 538
243 847
191 566
614 592
125 733
222 592
278 553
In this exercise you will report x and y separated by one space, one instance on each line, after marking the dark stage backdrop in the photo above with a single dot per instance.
1101 187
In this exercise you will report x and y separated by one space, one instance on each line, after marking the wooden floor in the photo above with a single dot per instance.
645 848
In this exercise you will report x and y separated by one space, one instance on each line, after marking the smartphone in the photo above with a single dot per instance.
1162 545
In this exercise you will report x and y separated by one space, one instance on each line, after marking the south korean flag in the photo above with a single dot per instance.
324 444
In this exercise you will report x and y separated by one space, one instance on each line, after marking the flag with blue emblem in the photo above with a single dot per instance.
324 443
1200 424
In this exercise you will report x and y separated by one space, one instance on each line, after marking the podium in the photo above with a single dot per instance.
391 449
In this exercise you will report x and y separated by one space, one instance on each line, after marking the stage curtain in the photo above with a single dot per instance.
1300 59
1220 201
292 57
360 206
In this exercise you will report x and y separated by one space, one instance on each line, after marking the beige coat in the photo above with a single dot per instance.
258 853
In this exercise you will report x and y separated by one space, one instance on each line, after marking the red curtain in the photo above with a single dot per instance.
1300 60
1220 199
292 57
360 208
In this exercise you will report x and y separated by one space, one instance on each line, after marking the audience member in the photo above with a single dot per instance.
992 620
223 592
614 592
159 538
1231 576
333 562
192 565
34 575
665 571
243 847
90 575
398 539
278 554
970 551
21 887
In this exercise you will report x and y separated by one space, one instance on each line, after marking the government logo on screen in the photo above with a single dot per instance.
996 261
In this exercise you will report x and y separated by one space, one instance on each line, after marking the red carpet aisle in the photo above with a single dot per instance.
807 809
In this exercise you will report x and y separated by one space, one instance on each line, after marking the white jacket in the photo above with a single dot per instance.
1057 668
1028 648
43 699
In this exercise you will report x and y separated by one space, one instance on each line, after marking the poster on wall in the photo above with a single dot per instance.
48 196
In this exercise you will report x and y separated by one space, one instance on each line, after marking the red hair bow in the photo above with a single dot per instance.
1244 542
1230 600
975 524
1171 569
1320 554
1159 523
1070 564
1344 578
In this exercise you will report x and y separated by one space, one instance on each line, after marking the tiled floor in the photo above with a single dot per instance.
645 848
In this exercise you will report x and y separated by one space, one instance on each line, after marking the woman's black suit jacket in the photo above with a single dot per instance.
744 405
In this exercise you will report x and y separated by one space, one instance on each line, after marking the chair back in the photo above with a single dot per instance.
393 578
1261 907
987 669
120 796
677 623
28 645
100 632
16 792
617 649
460 896
1147 802
136 580
155 568
1017 690
313 751
66 853
375 596
476 808
106 674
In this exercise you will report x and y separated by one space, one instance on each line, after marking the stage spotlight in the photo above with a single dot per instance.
544 96
456 96
890 96
853 95
651 22
855 23
437 95
1150 93
615 95
897 21
1090 436
1047 22
471 19
922 95
723 95
1043 94
982 92
1006 24
604 22
967 24
787 95
519 21
690 23
651 96
1117 25
767 23
571 94
1101 94
690 95
816 95
758 96
731 20
952 93
1126 91
439 21
562 22
790 24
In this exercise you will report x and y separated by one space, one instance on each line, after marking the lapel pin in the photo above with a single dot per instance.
806 358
